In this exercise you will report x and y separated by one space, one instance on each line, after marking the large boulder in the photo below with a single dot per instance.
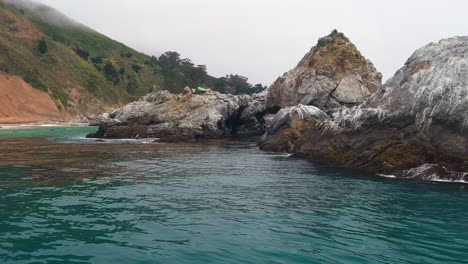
415 126
432 87
196 113
333 74
287 126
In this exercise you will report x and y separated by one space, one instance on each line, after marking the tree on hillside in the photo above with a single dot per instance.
97 60
136 68
42 47
82 53
178 73
132 84
169 61
199 75
194 76
258 88
234 84
237 84
110 72
154 60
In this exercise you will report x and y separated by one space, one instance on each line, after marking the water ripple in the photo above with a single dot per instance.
214 202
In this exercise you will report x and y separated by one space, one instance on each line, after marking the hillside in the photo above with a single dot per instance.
85 72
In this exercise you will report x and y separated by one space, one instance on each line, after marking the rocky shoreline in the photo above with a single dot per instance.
333 109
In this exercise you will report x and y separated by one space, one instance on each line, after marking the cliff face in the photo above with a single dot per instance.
20 103
333 74
415 126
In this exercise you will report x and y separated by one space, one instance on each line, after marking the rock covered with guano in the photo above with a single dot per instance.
415 126
196 113
333 74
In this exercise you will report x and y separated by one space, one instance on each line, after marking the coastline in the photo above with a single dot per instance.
40 124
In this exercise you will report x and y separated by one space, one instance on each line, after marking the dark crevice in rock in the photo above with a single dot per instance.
234 121
330 95
269 111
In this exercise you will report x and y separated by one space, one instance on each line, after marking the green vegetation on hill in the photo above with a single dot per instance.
56 55
335 55
178 73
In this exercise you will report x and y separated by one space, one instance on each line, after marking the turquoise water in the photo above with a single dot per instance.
74 200
61 131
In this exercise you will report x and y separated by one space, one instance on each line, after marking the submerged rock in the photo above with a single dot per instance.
420 116
333 74
199 113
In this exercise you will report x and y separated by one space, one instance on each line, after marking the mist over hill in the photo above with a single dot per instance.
45 13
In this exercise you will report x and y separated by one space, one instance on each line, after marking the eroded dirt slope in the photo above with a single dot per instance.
20 103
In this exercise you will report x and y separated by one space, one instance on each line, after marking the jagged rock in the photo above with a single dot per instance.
429 94
252 119
418 117
351 90
190 115
433 172
332 74
186 90
284 128
432 87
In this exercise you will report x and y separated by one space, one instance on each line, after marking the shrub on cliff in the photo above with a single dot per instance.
136 68
42 47
82 53
110 72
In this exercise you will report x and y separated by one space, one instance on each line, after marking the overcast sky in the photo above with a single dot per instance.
262 39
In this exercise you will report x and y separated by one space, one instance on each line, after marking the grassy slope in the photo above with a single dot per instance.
61 69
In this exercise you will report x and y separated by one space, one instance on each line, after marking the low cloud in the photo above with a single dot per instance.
45 13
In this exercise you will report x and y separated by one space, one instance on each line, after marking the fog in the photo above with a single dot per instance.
45 13
262 39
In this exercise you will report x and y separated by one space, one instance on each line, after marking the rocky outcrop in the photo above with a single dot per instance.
332 109
415 126
288 125
197 113
431 88
333 74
